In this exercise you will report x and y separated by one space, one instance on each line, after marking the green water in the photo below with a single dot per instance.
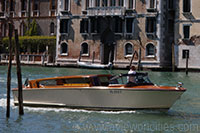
184 116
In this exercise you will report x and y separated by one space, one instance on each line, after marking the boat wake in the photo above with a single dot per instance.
3 104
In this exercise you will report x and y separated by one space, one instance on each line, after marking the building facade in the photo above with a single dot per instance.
43 11
113 30
187 35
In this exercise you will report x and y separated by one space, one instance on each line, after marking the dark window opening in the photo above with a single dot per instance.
104 3
171 26
66 6
128 49
112 2
186 31
95 26
36 5
84 48
23 5
87 4
170 4
52 28
53 4
2 6
151 4
64 25
150 49
118 25
121 3
150 25
84 26
11 5
129 25
97 3
186 5
185 54
131 4
64 48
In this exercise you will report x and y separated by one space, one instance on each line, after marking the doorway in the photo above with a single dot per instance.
107 46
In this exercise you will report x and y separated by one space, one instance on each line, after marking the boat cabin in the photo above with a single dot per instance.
71 81
89 80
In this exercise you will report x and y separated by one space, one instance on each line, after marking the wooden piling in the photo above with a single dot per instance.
139 60
130 64
79 59
9 70
19 76
173 58
93 56
186 67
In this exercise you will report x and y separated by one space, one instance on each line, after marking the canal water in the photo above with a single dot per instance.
184 116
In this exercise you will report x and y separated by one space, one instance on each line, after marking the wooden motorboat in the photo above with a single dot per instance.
99 92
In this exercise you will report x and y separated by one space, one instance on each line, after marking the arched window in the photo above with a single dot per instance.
84 48
128 49
64 48
150 49
52 28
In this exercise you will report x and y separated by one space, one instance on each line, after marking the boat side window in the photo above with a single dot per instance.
77 80
95 81
104 81
143 80
51 82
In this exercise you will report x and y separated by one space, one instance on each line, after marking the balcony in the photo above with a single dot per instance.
106 11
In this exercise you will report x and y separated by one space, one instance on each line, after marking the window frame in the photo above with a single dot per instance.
184 53
36 12
148 32
52 33
121 3
3 6
88 50
147 50
190 10
133 5
84 26
148 5
67 28
61 49
186 25
125 49
66 8
133 25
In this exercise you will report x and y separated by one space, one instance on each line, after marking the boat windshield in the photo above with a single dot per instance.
140 79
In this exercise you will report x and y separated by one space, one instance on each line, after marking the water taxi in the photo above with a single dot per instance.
99 92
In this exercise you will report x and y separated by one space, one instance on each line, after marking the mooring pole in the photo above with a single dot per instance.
186 70
9 70
93 56
19 76
139 59
130 64
79 59
173 58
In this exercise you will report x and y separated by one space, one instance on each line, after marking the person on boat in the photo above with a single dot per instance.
130 77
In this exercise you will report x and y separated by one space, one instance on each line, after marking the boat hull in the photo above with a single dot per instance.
99 98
